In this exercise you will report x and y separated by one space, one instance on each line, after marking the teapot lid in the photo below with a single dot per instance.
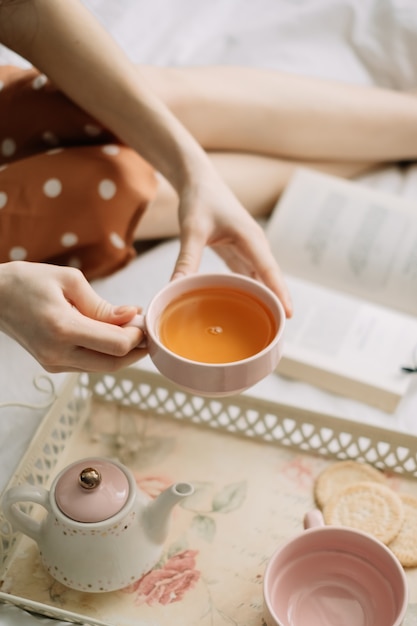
91 490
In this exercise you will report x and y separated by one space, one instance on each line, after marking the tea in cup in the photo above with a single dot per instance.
332 575
214 334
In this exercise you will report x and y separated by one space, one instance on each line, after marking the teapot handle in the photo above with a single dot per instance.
22 521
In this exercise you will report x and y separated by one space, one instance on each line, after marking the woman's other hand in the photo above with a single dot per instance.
55 314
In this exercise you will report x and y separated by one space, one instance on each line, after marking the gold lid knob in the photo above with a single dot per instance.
89 478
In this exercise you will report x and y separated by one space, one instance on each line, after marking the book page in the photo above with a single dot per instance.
341 334
344 236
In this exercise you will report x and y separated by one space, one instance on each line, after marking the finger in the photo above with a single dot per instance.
79 292
189 257
105 338
93 323
256 260
235 261
82 360
271 275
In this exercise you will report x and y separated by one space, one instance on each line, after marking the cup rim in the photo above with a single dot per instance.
403 601
226 278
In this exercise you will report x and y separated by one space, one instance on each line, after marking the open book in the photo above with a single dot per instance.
349 255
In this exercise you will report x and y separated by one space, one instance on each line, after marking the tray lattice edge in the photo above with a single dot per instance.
289 426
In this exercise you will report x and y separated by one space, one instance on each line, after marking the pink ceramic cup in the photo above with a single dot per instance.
330 576
212 379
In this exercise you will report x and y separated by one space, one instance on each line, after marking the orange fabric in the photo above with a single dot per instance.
70 193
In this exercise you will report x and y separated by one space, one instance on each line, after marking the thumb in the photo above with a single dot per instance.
103 311
83 297
121 315
189 256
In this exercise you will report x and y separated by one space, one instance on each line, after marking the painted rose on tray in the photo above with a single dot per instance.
176 574
153 485
168 583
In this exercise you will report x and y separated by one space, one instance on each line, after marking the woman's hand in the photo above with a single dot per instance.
211 215
55 315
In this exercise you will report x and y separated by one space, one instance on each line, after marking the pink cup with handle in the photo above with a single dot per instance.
206 322
334 576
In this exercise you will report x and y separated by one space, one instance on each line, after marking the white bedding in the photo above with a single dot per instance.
359 41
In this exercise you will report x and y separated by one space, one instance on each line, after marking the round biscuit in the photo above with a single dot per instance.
404 546
339 475
367 506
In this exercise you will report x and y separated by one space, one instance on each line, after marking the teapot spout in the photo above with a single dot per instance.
158 513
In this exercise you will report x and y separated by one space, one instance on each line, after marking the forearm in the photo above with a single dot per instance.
62 39
89 67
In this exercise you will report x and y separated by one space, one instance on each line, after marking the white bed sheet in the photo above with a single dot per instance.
358 41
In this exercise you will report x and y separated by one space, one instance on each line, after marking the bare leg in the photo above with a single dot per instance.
255 179
292 117
266 123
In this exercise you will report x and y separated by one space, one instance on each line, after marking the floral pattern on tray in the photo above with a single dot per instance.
249 498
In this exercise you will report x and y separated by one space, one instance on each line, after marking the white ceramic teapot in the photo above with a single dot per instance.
101 532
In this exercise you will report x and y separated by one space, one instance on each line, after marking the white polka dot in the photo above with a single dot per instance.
17 254
111 149
92 130
50 138
117 241
106 189
52 188
75 262
8 146
39 81
1 85
3 167
55 151
69 239
3 199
